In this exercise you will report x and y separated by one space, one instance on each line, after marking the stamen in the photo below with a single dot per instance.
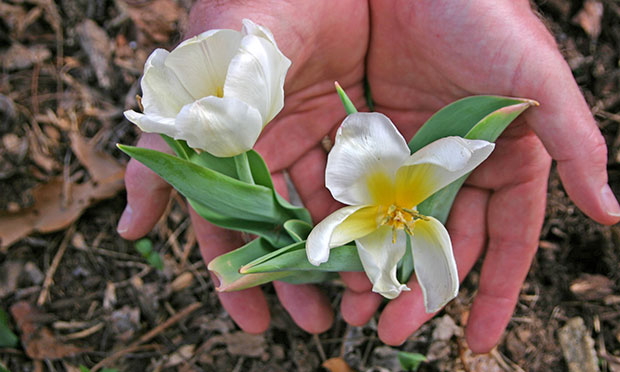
401 218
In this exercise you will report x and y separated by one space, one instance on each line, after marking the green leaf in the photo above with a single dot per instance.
346 101
261 176
7 337
344 258
226 195
410 361
298 229
3 368
489 129
459 117
272 232
309 277
226 267
179 147
154 259
225 166
144 246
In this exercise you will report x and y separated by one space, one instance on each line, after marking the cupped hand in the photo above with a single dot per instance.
323 47
428 53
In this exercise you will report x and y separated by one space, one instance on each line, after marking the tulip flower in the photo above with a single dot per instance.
371 169
216 90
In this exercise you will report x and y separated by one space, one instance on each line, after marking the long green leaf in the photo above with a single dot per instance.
344 258
179 147
298 229
226 267
459 117
488 128
226 195
261 175
272 232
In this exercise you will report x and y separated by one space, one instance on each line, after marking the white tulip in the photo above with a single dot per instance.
370 169
216 90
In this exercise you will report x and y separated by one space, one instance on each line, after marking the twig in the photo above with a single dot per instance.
319 347
148 336
84 333
49 276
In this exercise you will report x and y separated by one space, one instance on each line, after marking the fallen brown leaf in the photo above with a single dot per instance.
336 365
39 342
52 209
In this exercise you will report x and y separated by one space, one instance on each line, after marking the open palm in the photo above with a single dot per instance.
417 56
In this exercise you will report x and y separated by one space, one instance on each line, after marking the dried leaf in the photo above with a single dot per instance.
592 287
52 209
589 18
94 41
40 342
155 18
336 365
19 57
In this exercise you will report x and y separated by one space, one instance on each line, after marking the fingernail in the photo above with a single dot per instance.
125 221
611 203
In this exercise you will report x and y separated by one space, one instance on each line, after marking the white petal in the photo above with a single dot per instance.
256 76
368 150
201 62
436 165
221 126
152 123
380 258
251 28
319 240
434 263
162 92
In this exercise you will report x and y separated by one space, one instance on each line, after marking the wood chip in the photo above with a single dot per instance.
589 18
578 347
590 287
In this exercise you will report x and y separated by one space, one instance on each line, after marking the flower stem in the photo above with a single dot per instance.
243 168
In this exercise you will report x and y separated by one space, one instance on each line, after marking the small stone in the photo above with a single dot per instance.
32 274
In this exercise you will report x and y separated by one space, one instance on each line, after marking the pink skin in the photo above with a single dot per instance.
418 56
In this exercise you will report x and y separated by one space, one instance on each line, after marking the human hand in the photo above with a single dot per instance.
323 48
427 53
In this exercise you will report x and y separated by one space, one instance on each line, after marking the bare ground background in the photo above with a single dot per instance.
76 293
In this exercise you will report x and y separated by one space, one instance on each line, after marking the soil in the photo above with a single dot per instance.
77 294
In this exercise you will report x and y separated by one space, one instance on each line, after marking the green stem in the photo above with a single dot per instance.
243 168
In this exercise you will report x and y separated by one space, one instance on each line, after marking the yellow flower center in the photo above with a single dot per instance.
220 92
401 219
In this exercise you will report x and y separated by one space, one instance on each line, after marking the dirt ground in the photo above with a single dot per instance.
78 294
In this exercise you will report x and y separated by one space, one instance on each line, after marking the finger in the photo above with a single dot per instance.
466 225
357 281
515 218
248 307
566 127
358 307
309 307
147 193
